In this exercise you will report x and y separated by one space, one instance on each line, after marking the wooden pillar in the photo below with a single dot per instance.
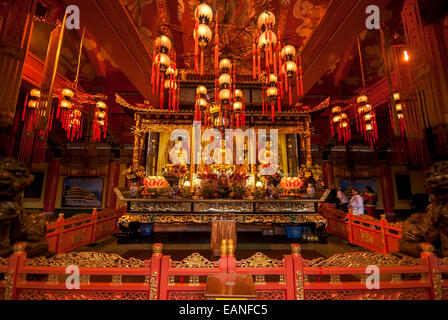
14 37
328 173
387 188
113 177
51 186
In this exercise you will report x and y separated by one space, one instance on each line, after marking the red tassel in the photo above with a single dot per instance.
25 106
216 43
254 51
202 61
196 46
290 96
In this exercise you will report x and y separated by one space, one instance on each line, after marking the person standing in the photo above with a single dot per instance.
342 201
370 201
356 203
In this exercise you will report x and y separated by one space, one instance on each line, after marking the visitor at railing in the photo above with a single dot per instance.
356 203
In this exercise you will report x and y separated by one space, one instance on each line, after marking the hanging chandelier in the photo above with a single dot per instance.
341 121
366 120
202 34
71 108
365 115
202 106
291 68
265 43
164 71
239 109
271 96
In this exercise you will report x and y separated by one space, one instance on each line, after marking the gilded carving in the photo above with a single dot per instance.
87 260
259 260
366 236
223 207
437 277
299 286
9 279
195 260
207 218
362 259
152 206
285 207
153 286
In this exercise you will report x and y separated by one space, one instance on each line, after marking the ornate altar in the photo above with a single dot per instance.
200 212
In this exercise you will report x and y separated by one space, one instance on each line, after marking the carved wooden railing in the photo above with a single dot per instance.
108 276
377 235
67 234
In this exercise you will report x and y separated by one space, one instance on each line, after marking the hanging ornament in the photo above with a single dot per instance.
100 121
341 123
201 103
239 109
265 43
202 33
161 64
290 71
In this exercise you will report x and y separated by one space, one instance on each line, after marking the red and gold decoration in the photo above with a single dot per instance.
202 106
366 120
164 72
239 109
100 122
266 44
341 123
202 34
291 68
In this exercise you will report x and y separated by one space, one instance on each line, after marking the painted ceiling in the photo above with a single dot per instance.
296 20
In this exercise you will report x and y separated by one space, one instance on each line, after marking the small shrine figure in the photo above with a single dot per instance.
271 191
310 190
134 189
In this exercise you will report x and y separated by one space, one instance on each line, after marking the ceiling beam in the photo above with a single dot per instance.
342 23
110 24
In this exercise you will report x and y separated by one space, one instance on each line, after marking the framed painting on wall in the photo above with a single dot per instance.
82 192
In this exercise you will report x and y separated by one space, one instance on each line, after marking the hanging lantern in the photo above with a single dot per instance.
224 81
164 67
202 33
224 96
163 43
201 102
100 121
291 67
366 120
225 65
341 121
203 13
266 20
267 42
288 53
239 109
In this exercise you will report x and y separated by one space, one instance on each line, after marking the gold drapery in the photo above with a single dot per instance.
164 138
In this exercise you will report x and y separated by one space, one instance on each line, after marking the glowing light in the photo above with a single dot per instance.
406 55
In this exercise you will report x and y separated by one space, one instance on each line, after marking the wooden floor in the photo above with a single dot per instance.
179 246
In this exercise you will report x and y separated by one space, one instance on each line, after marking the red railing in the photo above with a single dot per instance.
107 276
66 235
377 235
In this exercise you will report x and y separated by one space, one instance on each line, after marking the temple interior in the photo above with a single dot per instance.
166 146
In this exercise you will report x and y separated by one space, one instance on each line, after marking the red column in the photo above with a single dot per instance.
387 188
328 173
112 182
51 186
